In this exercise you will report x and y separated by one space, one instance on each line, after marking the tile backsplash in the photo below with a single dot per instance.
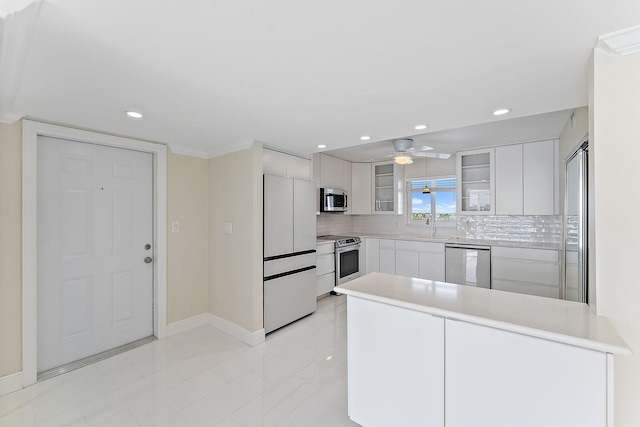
334 223
516 228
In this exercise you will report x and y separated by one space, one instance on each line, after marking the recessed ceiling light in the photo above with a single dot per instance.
420 127
134 114
365 138
501 111
322 146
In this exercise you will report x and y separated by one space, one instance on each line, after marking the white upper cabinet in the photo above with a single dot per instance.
476 182
387 188
527 179
540 178
331 172
509 180
361 189
285 165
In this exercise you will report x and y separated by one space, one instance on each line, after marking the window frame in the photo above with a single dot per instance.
434 222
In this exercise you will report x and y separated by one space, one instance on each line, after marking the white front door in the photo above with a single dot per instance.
95 229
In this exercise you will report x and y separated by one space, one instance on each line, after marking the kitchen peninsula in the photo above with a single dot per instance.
423 352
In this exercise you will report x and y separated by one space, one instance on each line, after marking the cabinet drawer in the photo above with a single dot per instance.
546 255
325 284
412 245
527 288
282 265
325 264
525 271
387 244
325 248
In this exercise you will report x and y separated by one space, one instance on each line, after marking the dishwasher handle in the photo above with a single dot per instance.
472 247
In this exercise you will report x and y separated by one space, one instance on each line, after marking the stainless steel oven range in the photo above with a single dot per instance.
347 257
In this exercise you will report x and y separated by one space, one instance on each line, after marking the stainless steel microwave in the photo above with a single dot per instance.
332 200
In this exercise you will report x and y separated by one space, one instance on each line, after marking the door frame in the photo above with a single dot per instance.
30 132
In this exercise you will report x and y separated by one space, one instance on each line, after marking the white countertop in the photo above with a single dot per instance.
503 243
555 320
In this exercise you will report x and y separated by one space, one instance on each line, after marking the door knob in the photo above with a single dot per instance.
148 259
147 246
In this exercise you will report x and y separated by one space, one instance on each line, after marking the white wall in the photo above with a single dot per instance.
615 147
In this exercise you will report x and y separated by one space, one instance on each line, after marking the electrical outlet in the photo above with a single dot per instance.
227 227
175 226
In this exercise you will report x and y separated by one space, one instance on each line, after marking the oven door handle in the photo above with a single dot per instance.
347 249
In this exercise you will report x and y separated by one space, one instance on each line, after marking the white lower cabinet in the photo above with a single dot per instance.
496 378
424 260
479 376
325 268
372 255
526 271
395 379
387 256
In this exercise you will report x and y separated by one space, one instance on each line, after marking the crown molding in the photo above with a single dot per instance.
623 42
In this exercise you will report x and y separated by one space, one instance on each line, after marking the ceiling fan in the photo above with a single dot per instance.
405 151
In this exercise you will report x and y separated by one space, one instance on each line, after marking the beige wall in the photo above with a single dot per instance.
10 248
187 250
235 260
615 149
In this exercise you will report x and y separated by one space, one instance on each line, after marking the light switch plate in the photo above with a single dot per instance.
227 227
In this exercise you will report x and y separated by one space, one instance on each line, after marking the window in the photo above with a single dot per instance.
437 208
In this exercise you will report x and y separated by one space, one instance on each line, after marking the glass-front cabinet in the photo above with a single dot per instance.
476 182
387 188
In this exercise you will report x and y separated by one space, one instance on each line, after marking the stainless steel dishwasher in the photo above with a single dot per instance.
468 264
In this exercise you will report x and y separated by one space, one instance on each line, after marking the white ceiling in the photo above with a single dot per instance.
212 75
523 129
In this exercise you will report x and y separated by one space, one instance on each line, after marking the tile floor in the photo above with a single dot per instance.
204 377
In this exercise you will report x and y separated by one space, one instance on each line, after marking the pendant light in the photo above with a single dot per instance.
426 189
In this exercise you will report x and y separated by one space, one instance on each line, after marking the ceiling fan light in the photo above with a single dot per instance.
403 159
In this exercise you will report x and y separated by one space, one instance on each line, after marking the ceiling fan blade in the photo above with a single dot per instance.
443 156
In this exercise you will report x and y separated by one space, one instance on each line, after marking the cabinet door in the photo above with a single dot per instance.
407 263
373 255
331 172
387 188
539 178
387 261
298 168
502 379
432 266
387 256
475 173
278 215
274 163
509 189
304 216
360 189
395 379
346 183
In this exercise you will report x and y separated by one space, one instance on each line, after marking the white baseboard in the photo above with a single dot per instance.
251 338
186 324
10 383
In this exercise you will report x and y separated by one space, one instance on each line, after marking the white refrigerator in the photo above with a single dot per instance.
289 250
